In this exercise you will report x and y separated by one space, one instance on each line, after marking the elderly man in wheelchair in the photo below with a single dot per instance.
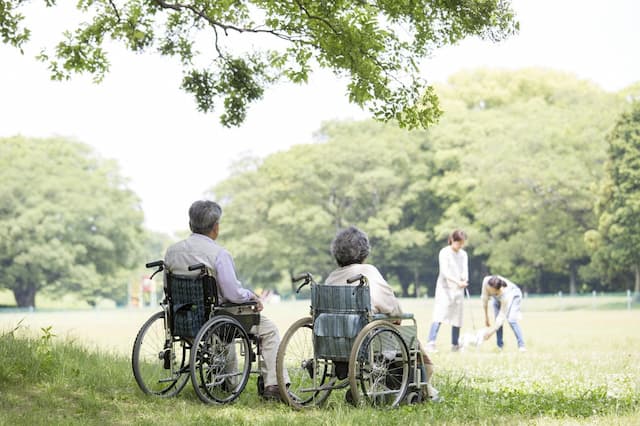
357 338
210 328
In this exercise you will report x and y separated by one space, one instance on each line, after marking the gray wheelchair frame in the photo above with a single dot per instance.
343 345
195 336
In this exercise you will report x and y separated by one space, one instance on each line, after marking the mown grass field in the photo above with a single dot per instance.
582 367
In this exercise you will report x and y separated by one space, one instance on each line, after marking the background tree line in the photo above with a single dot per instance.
541 169
518 161
68 224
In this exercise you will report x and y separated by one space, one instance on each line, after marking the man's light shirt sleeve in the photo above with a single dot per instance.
230 288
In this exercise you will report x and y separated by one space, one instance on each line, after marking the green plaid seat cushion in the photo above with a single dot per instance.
340 312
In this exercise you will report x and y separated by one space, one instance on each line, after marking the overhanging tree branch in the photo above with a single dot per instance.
358 40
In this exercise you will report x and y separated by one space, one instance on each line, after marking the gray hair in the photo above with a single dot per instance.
203 215
350 246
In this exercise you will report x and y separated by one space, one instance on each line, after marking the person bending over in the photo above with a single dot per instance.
506 297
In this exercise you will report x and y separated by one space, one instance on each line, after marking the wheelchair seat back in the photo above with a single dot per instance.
190 300
339 314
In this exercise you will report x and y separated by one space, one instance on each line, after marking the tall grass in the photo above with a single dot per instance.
581 368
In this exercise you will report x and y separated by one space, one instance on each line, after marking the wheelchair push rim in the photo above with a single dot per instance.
379 366
308 385
220 361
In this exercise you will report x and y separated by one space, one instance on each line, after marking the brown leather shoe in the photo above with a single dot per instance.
272 393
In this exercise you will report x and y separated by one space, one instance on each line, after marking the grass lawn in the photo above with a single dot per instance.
582 367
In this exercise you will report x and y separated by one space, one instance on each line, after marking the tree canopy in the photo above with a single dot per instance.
68 224
281 215
616 242
530 146
231 51
514 162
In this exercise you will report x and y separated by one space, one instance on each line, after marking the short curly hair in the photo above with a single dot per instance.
350 246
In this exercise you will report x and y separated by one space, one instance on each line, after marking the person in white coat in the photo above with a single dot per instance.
506 305
453 278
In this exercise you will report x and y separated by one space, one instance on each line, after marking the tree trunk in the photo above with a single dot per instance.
293 286
405 288
416 293
636 290
25 296
572 279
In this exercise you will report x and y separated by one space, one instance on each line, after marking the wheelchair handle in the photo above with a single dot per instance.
363 281
355 278
154 264
307 277
157 263
201 266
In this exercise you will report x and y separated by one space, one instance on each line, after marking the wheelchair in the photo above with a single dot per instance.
343 345
196 337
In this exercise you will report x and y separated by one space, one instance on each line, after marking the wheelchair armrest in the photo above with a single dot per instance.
234 305
392 317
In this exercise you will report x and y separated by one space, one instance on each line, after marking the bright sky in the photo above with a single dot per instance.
172 154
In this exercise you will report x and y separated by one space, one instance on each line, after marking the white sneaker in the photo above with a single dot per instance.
522 349
436 398
431 347
433 394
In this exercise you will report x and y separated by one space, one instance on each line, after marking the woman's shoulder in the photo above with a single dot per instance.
368 270
373 274
368 267
343 273
446 249
373 270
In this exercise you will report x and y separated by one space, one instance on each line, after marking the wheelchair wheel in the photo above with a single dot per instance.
379 366
158 362
296 355
414 398
220 360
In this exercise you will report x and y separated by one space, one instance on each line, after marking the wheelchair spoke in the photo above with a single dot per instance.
306 376
380 371
222 361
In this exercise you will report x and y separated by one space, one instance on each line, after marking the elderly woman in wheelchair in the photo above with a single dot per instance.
357 338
